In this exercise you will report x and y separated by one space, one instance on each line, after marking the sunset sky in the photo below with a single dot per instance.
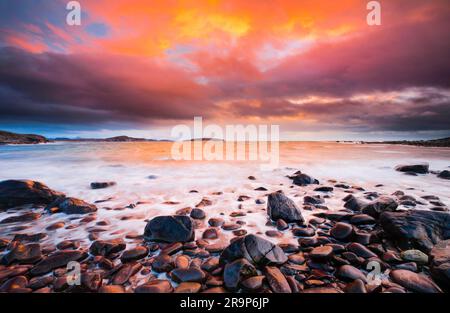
141 67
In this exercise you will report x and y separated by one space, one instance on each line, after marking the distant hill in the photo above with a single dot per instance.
13 138
442 142
111 139
204 139
124 139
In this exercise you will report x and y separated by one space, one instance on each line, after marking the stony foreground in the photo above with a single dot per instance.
369 246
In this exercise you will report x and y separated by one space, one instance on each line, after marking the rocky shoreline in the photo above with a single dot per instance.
371 245
441 142
7 138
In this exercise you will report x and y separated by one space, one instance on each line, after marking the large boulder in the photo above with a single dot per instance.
416 229
177 228
20 192
444 174
256 250
422 168
380 205
281 207
71 206
440 263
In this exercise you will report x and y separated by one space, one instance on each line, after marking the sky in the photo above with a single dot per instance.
140 67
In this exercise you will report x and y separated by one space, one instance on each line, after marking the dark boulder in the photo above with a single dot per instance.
303 180
380 205
342 231
354 204
191 274
256 250
444 174
414 168
107 247
20 192
102 185
71 206
175 228
280 206
237 271
198 214
416 229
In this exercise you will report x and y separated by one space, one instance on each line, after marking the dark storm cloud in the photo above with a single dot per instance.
86 89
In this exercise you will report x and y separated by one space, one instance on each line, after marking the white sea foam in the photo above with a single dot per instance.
71 167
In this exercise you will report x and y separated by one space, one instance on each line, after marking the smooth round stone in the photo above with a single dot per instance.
304 232
360 250
188 275
231 226
253 283
182 261
414 282
137 253
155 286
414 256
188 287
162 263
350 273
308 242
322 253
216 222
297 258
198 214
341 231
210 233
356 286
